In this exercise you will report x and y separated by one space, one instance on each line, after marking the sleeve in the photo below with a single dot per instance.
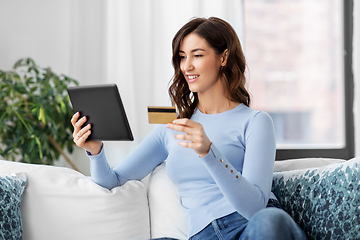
248 191
137 165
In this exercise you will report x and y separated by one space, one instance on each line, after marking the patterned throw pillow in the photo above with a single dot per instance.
325 201
11 191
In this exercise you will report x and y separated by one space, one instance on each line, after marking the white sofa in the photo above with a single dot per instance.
60 203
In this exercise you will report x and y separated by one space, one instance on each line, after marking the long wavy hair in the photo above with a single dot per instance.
220 36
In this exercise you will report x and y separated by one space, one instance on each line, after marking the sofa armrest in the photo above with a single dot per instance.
60 203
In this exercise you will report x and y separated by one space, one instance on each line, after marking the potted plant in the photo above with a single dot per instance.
35 114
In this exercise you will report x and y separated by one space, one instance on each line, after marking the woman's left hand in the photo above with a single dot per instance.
195 134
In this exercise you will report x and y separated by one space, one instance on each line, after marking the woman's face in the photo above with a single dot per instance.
199 63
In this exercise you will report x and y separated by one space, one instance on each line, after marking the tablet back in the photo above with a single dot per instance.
102 106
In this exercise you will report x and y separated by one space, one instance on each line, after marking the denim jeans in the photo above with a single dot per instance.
271 223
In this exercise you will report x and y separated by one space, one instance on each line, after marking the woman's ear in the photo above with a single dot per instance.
224 57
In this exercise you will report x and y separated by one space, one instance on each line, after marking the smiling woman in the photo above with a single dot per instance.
207 50
212 149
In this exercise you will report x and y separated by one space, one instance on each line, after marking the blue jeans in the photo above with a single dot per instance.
271 223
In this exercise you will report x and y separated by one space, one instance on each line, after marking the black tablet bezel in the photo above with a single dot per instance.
102 106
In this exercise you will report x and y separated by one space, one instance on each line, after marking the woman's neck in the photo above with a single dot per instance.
214 101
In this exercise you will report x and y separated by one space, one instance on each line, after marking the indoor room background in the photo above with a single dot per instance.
128 42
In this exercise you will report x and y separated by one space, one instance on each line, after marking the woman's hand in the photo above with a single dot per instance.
195 134
81 134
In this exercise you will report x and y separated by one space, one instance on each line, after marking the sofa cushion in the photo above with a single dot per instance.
11 191
302 163
60 203
166 214
324 201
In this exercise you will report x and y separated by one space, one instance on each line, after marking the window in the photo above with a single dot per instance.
291 127
299 58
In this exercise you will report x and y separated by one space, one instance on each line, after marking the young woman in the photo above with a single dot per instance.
220 153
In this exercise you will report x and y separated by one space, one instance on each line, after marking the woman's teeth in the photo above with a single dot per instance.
193 77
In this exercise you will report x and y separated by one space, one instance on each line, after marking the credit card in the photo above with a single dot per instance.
161 115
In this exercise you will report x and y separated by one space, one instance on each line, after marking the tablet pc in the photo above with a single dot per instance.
102 106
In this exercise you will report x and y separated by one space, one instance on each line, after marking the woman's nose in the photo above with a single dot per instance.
188 66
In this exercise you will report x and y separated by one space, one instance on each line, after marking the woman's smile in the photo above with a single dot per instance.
192 78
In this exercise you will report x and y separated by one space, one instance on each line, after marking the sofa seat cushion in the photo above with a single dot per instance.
324 201
11 191
60 203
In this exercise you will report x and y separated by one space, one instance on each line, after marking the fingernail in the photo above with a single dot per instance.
168 125
174 121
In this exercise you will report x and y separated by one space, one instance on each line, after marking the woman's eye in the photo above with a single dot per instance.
198 55
182 57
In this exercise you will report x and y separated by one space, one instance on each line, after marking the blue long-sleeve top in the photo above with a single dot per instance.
236 174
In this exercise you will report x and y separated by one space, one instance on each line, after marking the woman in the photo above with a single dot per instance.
220 153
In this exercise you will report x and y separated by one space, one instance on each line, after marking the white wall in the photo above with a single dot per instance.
37 29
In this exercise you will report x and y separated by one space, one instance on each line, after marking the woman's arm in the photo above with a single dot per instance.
248 191
139 163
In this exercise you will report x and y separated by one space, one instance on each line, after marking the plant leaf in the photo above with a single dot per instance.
41 116
22 121
17 64
39 146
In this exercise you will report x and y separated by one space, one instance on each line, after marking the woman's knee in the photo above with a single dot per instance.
272 216
272 223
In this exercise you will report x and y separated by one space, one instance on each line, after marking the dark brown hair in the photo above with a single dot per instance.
220 36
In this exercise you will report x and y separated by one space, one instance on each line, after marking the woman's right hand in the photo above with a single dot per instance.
81 134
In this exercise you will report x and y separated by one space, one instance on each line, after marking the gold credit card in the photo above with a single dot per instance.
161 115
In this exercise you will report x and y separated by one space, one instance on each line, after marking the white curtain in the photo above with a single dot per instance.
128 42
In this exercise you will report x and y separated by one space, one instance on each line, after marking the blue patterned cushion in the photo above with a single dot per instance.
11 191
325 201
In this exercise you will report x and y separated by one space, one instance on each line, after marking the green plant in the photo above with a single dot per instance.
35 114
